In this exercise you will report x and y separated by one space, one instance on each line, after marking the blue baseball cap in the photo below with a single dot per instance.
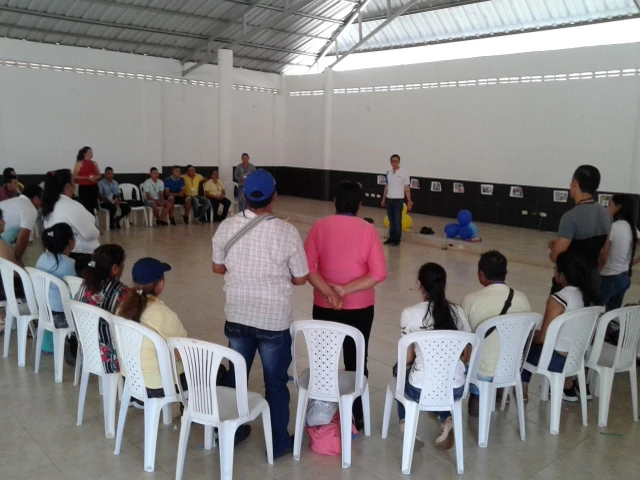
259 186
149 270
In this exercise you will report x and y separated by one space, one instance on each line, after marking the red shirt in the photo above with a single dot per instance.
343 248
87 169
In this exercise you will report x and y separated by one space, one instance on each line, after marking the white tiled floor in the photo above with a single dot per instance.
40 439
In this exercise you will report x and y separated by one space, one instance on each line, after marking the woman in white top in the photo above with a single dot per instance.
572 273
59 207
435 313
616 258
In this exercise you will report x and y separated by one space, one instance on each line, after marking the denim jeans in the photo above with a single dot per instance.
275 354
612 290
555 365
242 203
394 212
413 393
473 388
201 207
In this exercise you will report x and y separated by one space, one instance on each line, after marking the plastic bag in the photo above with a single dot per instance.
327 439
320 413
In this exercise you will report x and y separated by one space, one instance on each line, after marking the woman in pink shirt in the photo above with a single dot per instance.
346 261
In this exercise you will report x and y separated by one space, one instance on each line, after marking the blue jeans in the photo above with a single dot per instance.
241 201
275 353
555 365
413 393
201 207
394 212
612 290
473 388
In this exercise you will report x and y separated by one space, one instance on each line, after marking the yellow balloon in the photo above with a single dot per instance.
407 221
404 209
386 222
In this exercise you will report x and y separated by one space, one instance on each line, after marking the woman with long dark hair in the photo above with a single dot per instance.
617 256
59 207
434 313
87 175
575 279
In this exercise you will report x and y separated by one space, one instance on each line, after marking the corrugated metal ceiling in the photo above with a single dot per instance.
274 35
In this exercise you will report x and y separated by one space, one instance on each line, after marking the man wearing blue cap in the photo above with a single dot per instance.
262 258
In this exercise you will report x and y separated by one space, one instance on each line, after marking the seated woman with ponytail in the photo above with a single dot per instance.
102 288
143 305
58 242
434 313
572 273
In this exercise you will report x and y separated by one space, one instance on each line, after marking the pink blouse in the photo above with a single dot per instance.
343 248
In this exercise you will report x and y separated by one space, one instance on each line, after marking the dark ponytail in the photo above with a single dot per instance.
433 279
577 274
627 213
81 153
54 184
136 301
57 238
98 272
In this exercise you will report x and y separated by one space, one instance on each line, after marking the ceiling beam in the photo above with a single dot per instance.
298 14
137 28
383 15
374 32
251 33
188 16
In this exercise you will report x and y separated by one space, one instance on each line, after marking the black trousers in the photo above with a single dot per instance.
88 197
113 210
362 319
226 203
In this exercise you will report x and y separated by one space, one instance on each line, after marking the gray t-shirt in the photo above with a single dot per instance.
241 173
587 225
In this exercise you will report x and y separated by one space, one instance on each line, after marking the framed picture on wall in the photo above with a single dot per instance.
436 187
486 189
604 199
458 187
560 196
415 184
516 192
382 180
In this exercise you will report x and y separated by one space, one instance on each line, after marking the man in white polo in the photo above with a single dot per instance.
20 214
395 190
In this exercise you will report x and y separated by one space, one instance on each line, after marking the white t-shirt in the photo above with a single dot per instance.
81 221
396 181
413 320
620 250
571 299
154 189
19 212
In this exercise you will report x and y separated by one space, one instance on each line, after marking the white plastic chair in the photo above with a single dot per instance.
132 193
87 322
606 360
323 380
22 313
42 282
230 192
74 283
441 351
129 338
575 330
515 335
212 406
107 217
149 210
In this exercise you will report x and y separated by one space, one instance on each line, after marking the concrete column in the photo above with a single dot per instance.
279 124
326 131
225 113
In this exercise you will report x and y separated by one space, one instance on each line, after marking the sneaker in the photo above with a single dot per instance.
172 221
185 219
135 403
162 223
388 242
577 389
474 405
570 394
445 440
284 452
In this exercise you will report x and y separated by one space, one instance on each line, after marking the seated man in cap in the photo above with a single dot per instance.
259 290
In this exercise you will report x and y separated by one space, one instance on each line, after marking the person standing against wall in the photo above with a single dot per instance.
395 190
240 175
87 174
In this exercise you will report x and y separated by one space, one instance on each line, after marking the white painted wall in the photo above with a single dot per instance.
525 133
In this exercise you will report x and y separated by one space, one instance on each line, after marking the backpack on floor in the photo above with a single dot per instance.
327 439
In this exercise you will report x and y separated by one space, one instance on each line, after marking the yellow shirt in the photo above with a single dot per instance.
192 185
214 189
160 318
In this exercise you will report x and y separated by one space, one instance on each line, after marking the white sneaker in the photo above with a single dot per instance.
445 440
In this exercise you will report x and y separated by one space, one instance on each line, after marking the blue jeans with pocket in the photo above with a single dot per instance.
275 353
612 290
242 203
394 212
413 393
555 365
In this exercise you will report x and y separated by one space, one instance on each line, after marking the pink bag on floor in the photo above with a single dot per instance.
326 439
